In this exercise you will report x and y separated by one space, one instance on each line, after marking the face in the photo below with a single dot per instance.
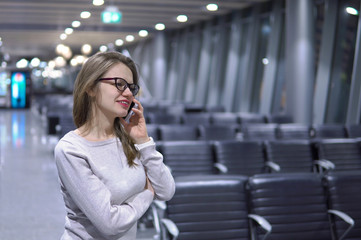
110 101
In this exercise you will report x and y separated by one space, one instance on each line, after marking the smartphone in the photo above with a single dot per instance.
130 111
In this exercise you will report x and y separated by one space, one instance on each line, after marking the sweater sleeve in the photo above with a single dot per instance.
93 198
157 172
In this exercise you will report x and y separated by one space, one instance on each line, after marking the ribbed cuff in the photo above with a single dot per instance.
144 145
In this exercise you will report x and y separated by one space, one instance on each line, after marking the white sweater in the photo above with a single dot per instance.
103 196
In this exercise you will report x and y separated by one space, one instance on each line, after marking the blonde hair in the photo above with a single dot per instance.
93 69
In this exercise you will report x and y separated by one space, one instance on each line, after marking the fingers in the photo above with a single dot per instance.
140 107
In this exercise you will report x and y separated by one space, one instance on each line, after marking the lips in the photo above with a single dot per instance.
124 103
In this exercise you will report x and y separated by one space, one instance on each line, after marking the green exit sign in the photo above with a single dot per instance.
111 15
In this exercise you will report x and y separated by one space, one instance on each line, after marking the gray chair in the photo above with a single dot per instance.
295 204
344 195
210 208
241 157
345 153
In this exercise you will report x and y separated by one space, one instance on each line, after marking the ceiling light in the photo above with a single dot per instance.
63 36
60 61
73 62
212 7
51 64
352 11
86 49
103 48
85 14
35 62
22 63
182 18
143 33
160 26
68 31
76 24
98 2
119 42
129 38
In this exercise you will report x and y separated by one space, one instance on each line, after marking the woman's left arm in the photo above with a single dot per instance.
159 175
157 172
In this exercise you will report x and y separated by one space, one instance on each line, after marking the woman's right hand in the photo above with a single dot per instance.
148 185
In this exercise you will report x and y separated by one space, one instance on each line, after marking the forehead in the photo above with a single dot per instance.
120 70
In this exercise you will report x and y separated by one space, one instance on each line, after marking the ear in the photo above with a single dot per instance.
91 93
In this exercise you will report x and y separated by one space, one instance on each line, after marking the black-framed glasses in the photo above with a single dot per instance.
121 84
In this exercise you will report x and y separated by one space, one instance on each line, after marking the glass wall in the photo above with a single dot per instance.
342 63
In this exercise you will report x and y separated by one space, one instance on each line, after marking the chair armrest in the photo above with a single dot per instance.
325 164
160 204
262 222
221 167
171 228
274 166
346 218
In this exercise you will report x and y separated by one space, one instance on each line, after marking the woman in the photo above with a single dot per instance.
108 168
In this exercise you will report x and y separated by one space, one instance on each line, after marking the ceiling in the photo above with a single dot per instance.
30 28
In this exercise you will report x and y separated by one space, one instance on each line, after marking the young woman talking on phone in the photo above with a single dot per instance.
109 169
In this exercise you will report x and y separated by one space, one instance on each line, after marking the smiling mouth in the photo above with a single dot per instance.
123 103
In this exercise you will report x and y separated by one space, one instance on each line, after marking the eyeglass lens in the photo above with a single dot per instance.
121 84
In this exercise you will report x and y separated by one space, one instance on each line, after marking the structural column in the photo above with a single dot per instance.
300 61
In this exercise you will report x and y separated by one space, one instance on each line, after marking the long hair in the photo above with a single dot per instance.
93 69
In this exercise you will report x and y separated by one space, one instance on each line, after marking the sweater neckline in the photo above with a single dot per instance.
92 143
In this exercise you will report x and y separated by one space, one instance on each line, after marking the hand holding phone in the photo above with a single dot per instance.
130 112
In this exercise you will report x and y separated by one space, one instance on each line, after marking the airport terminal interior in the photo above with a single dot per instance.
255 106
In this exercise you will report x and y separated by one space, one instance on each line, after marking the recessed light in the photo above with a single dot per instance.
119 42
160 26
63 36
212 7
143 33
129 38
68 31
85 14
352 11
76 24
98 2
182 18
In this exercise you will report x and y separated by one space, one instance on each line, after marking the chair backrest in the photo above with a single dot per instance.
188 157
279 118
163 118
291 155
353 130
197 118
218 132
245 117
225 118
215 108
172 132
295 204
294 131
210 207
152 130
345 195
241 157
66 124
328 131
261 131
344 153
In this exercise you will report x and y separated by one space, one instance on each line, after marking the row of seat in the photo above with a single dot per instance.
267 131
253 157
287 206
217 118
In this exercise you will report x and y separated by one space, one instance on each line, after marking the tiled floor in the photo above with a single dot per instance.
31 206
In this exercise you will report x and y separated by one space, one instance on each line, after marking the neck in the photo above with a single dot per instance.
99 129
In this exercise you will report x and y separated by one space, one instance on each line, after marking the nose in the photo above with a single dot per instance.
127 92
